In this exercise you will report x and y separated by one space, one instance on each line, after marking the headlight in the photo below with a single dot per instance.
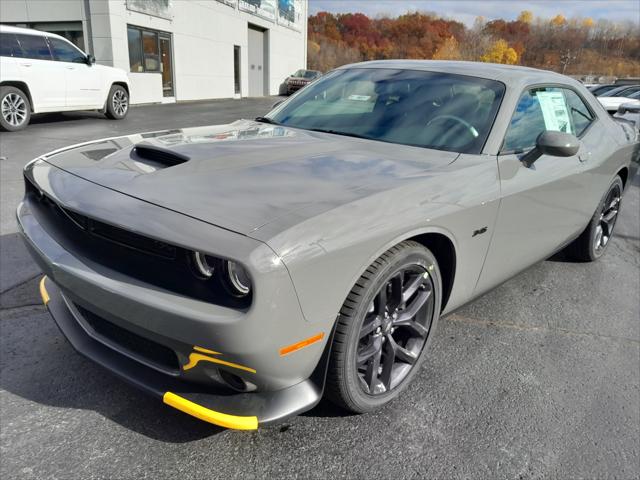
237 278
202 265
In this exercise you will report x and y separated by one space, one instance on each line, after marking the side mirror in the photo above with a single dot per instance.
629 108
91 59
556 144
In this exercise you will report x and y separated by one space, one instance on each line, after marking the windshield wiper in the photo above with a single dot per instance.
266 120
338 132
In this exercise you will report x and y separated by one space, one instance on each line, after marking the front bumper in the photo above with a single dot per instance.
292 88
242 411
210 344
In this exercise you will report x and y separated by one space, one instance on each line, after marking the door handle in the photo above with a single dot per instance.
25 64
71 68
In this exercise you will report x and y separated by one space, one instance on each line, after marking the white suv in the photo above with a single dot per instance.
42 72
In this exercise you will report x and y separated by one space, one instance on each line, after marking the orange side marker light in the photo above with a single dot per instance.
304 343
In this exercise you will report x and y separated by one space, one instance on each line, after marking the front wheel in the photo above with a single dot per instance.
592 243
384 328
117 103
15 109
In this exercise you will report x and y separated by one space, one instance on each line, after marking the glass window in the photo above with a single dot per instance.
548 108
9 45
580 114
135 49
34 46
144 50
65 52
151 52
426 109
538 110
236 68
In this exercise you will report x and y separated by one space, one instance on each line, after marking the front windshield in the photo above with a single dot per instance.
411 107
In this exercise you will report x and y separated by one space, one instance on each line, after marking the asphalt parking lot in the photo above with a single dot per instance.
538 379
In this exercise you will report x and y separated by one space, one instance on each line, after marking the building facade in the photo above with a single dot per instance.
176 50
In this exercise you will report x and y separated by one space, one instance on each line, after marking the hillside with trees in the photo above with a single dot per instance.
576 46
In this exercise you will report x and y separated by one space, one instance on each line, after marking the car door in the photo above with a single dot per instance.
44 77
82 78
543 204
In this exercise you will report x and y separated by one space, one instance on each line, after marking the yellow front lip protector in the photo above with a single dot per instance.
211 416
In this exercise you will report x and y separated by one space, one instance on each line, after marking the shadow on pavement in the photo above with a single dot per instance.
65 117
40 366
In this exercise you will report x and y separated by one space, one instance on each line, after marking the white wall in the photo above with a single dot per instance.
12 11
204 34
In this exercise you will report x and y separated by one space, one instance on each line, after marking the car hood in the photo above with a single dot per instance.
245 175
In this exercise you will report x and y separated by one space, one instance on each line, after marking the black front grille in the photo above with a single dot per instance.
143 258
148 350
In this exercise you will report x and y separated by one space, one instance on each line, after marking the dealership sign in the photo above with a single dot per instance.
262 8
290 13
157 8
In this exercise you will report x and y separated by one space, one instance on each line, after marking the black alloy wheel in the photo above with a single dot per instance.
395 330
607 220
384 328
596 237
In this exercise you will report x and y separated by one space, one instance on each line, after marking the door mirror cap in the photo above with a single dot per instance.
557 144
91 59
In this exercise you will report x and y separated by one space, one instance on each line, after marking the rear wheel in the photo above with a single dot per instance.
384 328
15 109
117 103
592 243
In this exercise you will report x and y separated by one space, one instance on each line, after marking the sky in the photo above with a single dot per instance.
467 10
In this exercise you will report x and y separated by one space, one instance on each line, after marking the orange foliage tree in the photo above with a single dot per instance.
569 45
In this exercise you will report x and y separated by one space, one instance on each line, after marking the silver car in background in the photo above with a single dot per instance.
239 272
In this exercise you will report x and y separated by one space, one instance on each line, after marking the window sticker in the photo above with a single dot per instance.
555 111
360 98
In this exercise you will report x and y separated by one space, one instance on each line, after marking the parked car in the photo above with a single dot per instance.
238 272
300 79
42 72
602 89
611 104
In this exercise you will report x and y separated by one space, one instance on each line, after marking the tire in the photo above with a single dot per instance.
117 103
15 109
347 385
594 240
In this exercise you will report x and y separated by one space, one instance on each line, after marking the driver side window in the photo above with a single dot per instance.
539 109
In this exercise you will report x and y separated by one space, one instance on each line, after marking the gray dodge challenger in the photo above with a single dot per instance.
240 272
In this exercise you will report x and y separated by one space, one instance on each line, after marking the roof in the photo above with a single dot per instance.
26 31
511 75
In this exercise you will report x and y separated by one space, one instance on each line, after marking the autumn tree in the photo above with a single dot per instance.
559 20
526 16
569 45
449 50
500 52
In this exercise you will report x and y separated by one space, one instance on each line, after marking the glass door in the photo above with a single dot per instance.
167 65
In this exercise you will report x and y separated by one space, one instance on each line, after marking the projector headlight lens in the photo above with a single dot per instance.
238 278
203 266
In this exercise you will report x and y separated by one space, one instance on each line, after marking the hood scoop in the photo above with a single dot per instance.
158 155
